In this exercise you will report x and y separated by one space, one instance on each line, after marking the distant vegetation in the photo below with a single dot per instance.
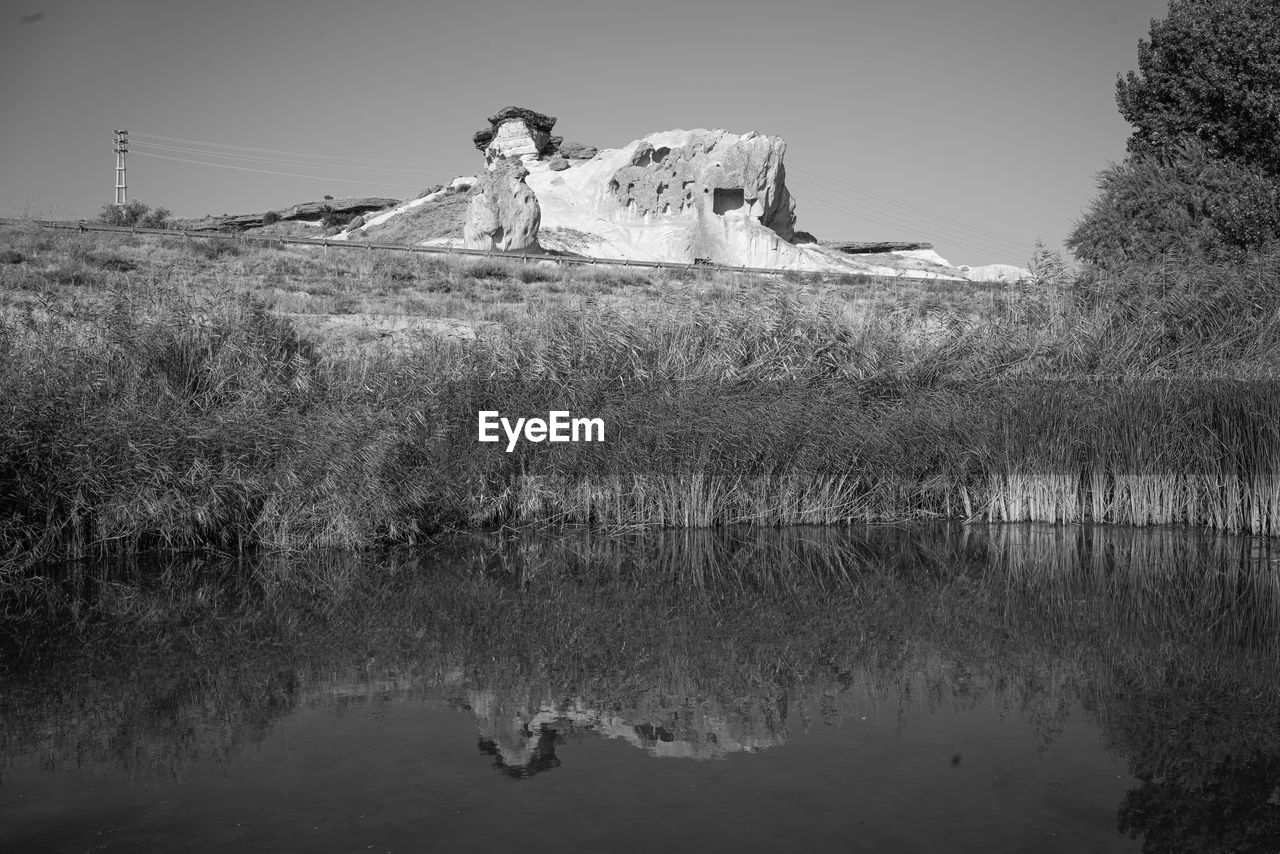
134 213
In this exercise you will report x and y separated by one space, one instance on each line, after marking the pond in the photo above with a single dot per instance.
926 688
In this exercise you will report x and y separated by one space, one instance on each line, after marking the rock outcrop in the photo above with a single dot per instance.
571 150
503 214
316 210
305 211
712 172
674 196
864 247
515 132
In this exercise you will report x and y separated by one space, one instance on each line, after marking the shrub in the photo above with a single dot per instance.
132 214
530 273
270 218
611 276
111 262
487 268
395 268
76 275
11 256
214 248
1186 203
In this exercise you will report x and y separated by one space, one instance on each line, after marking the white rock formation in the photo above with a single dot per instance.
683 195
675 196
994 273
504 214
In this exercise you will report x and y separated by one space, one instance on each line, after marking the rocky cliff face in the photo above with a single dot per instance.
739 177
503 213
674 196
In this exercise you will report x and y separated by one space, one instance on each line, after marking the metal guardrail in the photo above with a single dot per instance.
436 250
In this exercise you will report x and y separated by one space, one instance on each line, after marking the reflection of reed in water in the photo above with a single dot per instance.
1184 584
740 560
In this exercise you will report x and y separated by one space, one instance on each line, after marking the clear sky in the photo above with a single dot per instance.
979 125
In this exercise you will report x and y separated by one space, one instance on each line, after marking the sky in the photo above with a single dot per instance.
976 125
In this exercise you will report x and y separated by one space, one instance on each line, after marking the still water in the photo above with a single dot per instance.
879 689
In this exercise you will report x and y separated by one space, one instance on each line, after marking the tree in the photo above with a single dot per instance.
1179 203
1211 70
1202 178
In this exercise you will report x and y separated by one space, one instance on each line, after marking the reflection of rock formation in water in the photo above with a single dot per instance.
522 734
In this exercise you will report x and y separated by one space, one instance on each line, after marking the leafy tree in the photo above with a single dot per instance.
1210 70
1179 203
134 213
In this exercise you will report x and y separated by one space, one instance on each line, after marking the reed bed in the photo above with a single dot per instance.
154 410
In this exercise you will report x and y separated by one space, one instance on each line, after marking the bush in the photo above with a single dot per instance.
487 268
111 262
212 249
1185 203
133 214
270 218
530 273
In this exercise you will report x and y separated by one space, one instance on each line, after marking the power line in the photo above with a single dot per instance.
178 149
273 150
821 195
269 171
900 219
968 245
897 219
887 200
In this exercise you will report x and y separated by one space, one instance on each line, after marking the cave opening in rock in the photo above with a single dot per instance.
660 153
727 199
